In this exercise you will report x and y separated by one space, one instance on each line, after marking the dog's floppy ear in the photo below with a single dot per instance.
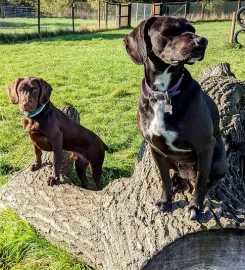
12 91
46 91
135 42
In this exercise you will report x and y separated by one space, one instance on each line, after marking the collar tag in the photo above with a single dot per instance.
168 108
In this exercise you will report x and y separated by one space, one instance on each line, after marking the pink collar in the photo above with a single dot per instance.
171 92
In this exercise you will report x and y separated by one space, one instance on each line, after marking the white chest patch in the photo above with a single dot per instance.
157 127
162 81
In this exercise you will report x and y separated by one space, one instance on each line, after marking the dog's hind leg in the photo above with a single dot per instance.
219 164
95 157
81 166
203 169
96 171
95 163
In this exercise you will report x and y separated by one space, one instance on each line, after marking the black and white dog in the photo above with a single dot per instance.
179 121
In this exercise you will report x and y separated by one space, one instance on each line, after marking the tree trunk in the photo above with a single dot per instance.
117 228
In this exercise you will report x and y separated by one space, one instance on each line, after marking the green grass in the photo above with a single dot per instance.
30 25
22 249
93 73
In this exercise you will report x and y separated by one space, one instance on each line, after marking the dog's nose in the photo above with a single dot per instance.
201 41
26 103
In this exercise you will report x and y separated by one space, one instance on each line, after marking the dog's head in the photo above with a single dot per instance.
29 92
171 39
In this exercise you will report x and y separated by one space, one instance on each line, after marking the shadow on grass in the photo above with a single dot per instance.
110 174
28 25
65 35
17 25
7 168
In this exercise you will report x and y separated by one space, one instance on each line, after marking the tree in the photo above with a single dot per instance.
27 3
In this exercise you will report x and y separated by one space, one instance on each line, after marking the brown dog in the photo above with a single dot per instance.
179 121
51 130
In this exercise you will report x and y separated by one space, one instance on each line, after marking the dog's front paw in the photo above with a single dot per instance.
163 206
35 166
192 211
52 180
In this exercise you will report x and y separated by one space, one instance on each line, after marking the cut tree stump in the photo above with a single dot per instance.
117 228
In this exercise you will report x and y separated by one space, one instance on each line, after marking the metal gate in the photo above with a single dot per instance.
172 8
156 9
123 14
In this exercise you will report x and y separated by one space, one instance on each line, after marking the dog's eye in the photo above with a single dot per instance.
34 90
167 33
171 32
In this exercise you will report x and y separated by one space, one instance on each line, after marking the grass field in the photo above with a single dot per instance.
93 73
30 25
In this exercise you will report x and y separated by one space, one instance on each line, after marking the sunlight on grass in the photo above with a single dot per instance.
21 248
18 26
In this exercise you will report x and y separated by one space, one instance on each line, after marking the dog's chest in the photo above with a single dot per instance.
30 126
33 130
158 127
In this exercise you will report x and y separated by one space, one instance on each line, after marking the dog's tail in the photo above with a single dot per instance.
142 150
109 150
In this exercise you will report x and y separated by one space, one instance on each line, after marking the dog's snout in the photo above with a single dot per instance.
201 41
26 103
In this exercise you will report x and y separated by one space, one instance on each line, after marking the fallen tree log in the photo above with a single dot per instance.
117 228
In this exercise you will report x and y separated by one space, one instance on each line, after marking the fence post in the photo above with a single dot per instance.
185 9
153 10
106 15
73 15
99 14
136 13
38 17
129 14
233 26
2 9
119 15
202 12
188 4
238 4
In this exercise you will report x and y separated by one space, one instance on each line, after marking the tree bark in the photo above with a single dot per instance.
117 228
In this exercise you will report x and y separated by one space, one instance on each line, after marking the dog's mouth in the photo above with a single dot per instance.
190 56
196 55
26 109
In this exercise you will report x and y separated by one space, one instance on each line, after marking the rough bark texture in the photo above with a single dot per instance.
117 228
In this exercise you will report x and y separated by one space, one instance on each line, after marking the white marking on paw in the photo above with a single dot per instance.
193 214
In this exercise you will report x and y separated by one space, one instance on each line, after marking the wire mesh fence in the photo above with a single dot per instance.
19 19
140 12
18 12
